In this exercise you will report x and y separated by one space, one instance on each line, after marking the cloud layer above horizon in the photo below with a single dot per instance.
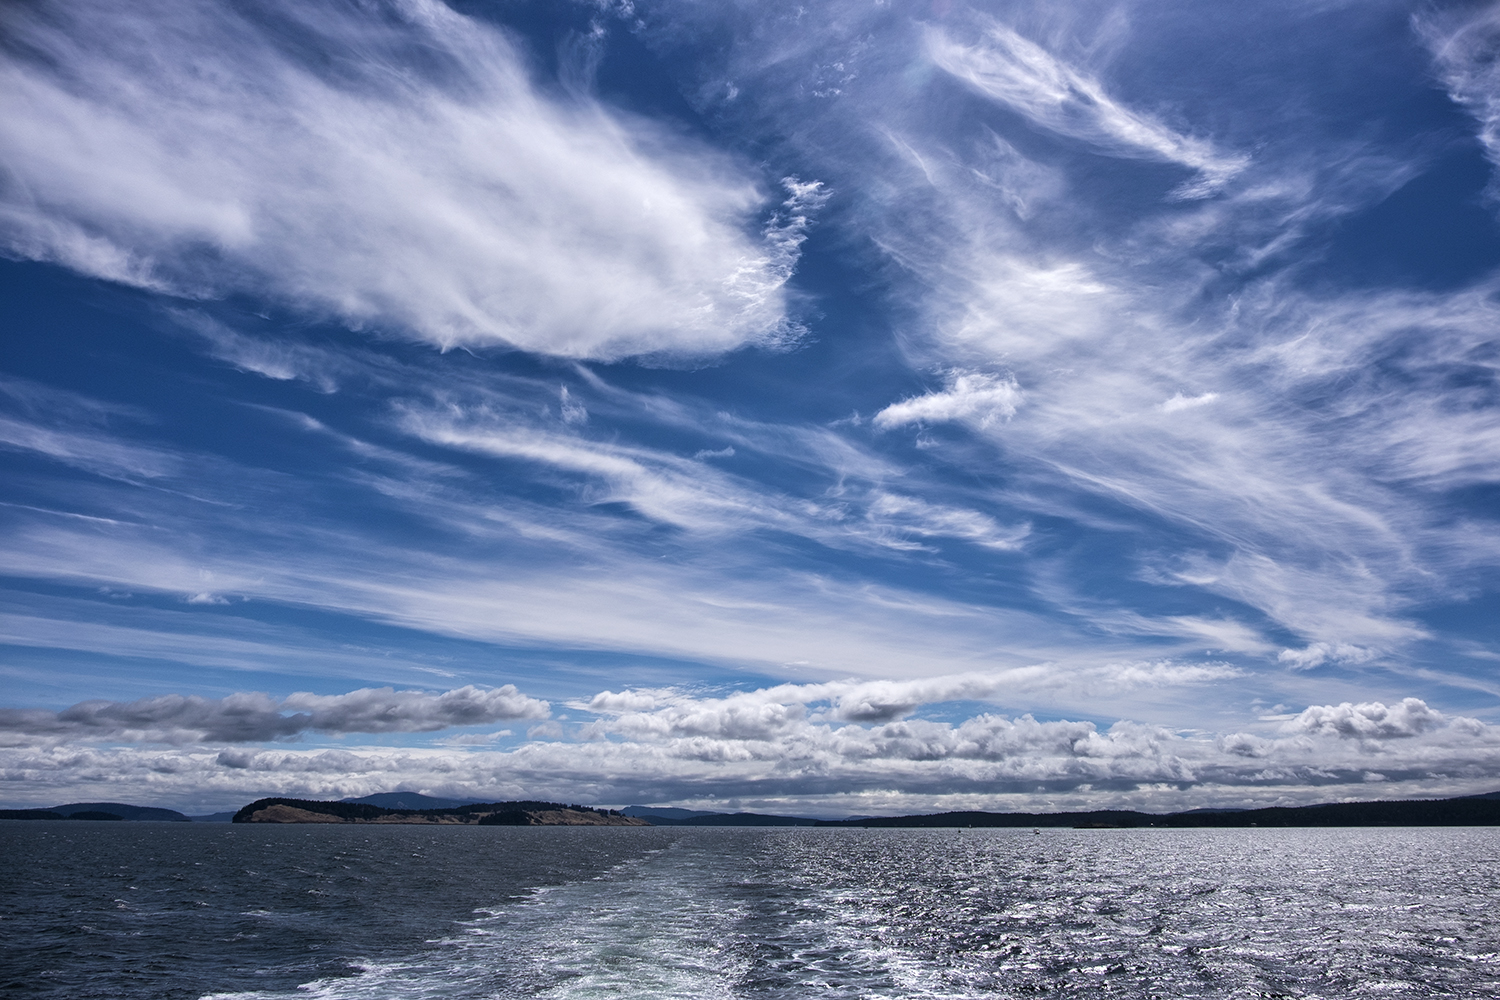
831 748
898 406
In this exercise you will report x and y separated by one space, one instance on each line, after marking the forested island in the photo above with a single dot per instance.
527 813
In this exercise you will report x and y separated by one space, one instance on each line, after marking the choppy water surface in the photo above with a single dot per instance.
171 910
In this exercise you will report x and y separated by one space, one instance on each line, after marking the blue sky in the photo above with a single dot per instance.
846 408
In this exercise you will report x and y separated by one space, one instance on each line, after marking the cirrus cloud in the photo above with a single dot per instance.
412 179
1015 71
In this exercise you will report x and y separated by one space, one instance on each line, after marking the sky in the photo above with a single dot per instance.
854 408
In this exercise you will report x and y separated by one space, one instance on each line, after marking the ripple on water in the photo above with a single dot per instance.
794 913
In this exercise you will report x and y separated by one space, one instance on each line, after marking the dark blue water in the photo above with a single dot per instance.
175 910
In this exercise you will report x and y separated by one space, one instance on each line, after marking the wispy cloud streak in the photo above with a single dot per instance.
410 179
1464 44
1015 71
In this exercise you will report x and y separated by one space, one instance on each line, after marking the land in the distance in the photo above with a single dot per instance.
1474 810
528 813
410 807
100 811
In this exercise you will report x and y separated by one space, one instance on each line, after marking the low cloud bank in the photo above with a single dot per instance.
763 714
841 747
251 717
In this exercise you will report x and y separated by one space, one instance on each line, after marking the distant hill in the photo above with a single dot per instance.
1472 810
132 814
662 816
746 819
278 810
117 811
668 814
411 800
30 814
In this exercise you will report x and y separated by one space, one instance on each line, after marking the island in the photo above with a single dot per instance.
278 810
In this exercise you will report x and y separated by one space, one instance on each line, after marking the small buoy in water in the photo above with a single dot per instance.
1036 833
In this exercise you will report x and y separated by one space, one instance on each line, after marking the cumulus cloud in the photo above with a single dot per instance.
1370 721
411 179
252 717
976 398
1015 71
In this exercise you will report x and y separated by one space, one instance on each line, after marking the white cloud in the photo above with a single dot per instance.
571 589
666 488
572 411
178 636
769 753
659 485
1015 71
1373 720
415 181
975 398
762 713
1319 653
1463 44
1308 490
1222 633
1286 437
91 452
1181 402
474 739
279 360
905 515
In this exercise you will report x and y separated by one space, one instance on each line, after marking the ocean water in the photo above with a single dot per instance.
122 910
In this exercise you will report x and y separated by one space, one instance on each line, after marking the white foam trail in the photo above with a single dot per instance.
657 927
